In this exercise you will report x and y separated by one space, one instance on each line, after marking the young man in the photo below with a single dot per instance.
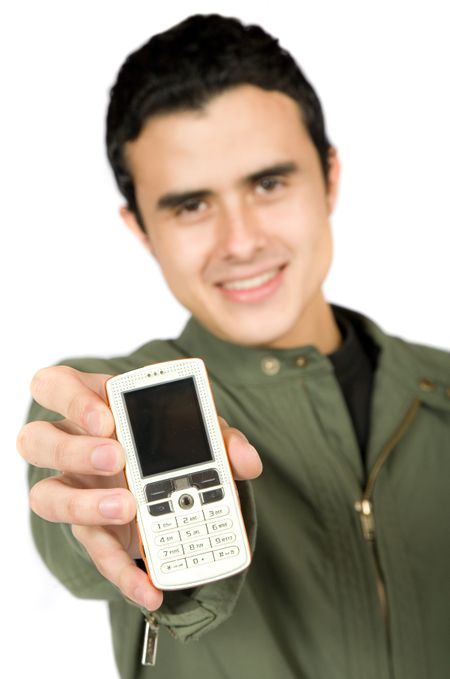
218 144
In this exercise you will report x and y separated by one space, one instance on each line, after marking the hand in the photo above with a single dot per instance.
90 493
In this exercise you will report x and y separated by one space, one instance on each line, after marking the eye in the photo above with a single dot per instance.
191 206
267 185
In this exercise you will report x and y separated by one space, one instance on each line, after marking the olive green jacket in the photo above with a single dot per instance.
350 576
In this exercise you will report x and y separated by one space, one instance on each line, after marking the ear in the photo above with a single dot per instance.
334 174
132 224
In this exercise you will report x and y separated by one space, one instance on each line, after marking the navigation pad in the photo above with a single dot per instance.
158 493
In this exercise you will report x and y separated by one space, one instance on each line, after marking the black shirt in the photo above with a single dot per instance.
354 364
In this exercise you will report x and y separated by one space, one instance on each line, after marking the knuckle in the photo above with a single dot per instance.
77 532
34 497
40 381
60 454
23 439
238 434
73 507
129 504
125 579
223 422
79 407
100 564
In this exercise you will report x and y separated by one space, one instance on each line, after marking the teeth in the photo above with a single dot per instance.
248 283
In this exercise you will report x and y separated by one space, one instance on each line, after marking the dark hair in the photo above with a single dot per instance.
185 67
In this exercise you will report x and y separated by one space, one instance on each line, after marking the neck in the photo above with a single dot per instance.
316 326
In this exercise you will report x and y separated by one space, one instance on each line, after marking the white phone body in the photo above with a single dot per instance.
188 510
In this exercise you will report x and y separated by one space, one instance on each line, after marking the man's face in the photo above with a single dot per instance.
237 214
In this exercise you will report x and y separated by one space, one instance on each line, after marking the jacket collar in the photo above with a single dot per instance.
423 370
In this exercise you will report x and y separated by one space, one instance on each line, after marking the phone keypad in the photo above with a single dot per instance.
225 553
173 566
164 524
200 559
197 546
193 533
215 512
205 539
220 540
168 538
189 519
216 526
171 552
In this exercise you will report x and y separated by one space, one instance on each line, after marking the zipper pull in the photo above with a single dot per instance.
364 508
150 641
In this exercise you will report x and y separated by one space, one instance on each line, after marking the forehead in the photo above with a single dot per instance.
235 133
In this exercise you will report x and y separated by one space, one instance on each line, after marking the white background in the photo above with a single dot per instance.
381 70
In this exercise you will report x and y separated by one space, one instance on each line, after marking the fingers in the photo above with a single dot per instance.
76 395
54 499
244 459
115 564
45 445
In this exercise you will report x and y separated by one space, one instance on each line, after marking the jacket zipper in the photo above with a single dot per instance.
364 506
151 634
150 645
365 509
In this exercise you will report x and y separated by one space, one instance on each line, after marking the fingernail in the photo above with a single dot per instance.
104 458
111 507
96 422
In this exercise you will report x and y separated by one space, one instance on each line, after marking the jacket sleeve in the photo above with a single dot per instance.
188 614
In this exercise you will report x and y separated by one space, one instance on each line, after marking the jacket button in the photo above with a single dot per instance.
426 385
270 365
301 361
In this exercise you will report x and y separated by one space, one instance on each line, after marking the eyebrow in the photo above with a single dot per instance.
175 199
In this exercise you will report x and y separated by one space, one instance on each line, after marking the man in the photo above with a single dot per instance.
218 144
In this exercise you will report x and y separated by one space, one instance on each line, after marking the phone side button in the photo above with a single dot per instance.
160 508
171 566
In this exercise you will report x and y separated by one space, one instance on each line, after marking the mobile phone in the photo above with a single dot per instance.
188 511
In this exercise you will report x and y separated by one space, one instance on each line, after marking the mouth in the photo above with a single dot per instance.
253 288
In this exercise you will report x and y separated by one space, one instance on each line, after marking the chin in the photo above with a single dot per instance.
256 336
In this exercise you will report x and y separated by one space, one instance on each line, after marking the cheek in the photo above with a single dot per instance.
303 222
182 257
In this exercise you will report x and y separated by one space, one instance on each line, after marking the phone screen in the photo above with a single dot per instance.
167 426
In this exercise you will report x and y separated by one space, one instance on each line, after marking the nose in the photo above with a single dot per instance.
240 232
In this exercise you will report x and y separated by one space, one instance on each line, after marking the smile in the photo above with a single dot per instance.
249 283
253 289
